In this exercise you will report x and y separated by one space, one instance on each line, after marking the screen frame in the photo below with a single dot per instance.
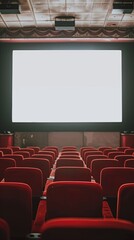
127 87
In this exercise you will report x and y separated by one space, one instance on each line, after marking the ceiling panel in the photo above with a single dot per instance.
87 13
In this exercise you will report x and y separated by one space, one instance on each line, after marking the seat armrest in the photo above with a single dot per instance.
34 236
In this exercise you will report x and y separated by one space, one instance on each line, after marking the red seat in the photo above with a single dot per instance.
114 154
129 163
18 158
70 199
90 158
102 148
4 230
89 153
41 163
72 174
69 162
73 199
5 163
111 179
121 158
28 149
107 151
31 176
35 148
69 148
129 151
50 152
24 153
69 157
85 228
122 149
125 202
16 208
53 149
15 148
84 149
44 156
6 150
72 153
98 164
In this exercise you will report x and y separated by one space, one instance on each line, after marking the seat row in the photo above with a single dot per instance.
81 200
48 201
77 228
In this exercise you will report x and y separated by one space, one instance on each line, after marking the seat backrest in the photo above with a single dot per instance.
125 202
45 156
113 177
89 153
87 150
16 208
69 162
46 153
69 157
41 163
6 150
31 176
102 148
72 174
85 228
35 148
122 149
107 151
98 164
73 199
15 148
30 150
114 154
75 153
4 230
24 153
53 154
121 158
129 151
5 163
69 148
53 149
129 163
94 156
17 157
84 149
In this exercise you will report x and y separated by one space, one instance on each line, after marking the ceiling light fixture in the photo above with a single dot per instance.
65 23
122 7
9 7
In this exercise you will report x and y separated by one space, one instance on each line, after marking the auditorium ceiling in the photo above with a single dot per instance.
94 19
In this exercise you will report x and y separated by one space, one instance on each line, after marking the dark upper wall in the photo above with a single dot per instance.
6 88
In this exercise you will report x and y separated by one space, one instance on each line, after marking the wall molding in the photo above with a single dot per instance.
79 33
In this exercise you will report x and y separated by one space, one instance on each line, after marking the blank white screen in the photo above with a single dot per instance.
66 86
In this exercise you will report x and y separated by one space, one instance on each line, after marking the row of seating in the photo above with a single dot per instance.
47 206
95 166
15 199
78 228
85 228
